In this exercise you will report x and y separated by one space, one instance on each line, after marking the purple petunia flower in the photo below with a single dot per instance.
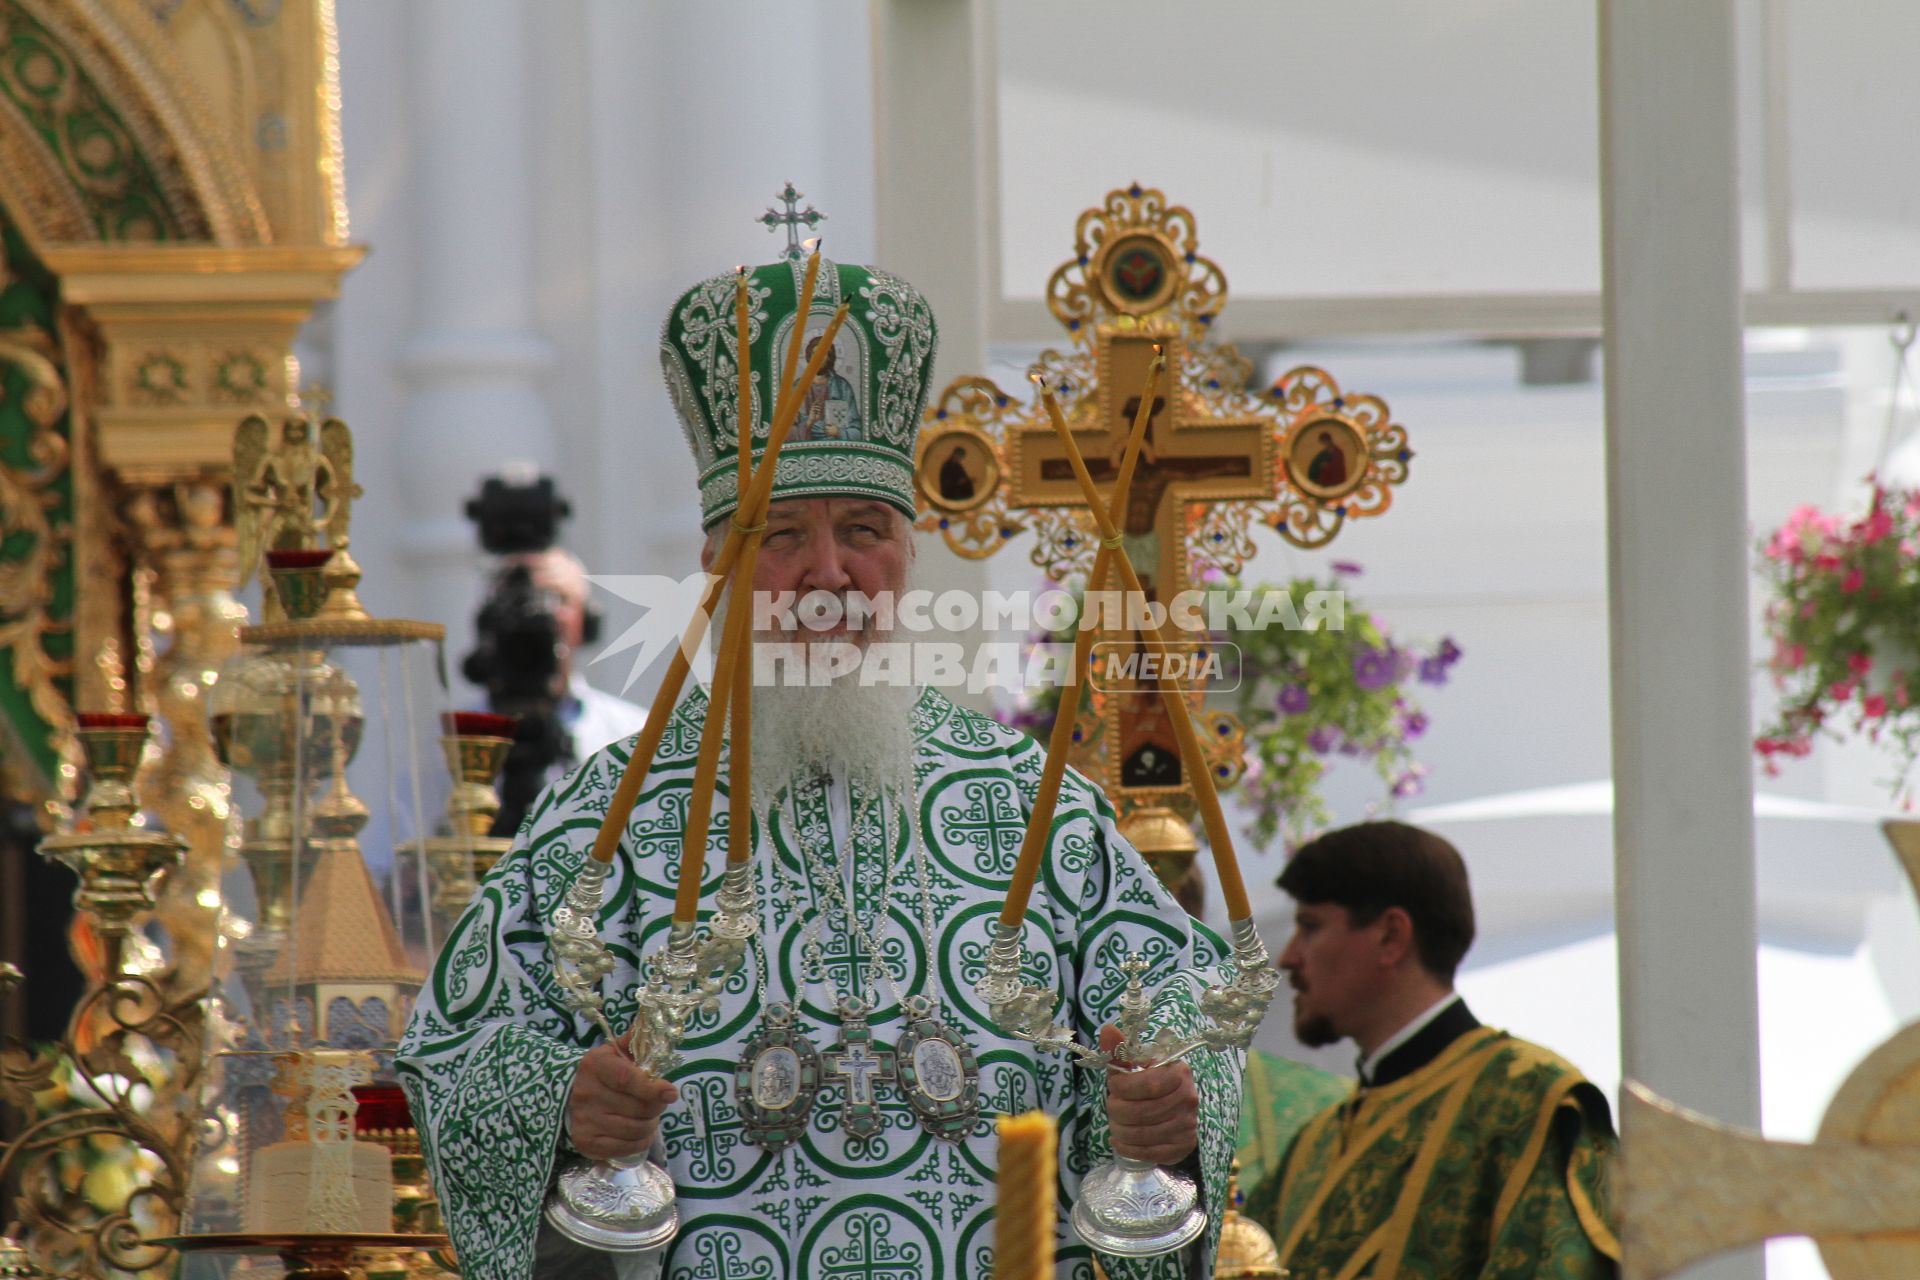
1414 725
1323 739
1294 700
1373 668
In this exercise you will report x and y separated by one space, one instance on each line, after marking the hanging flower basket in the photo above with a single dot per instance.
1843 625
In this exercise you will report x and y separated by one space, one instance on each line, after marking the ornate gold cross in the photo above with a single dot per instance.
1300 457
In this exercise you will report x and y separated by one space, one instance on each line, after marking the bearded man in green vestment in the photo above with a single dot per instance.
832 1118
1464 1152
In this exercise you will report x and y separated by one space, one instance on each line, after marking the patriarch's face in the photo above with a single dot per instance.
833 547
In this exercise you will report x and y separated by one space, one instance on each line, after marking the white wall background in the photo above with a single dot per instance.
1354 149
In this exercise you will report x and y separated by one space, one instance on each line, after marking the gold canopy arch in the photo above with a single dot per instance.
170 176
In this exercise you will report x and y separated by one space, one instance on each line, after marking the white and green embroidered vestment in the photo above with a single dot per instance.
491 1050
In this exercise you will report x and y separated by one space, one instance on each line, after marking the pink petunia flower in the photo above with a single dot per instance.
1877 525
1859 663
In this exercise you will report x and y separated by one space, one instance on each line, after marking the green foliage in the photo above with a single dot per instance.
1313 693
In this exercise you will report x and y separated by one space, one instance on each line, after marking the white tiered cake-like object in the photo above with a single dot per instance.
280 1192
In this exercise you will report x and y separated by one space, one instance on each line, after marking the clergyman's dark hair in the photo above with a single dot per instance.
1371 866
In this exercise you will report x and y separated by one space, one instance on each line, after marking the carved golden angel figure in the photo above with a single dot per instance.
291 488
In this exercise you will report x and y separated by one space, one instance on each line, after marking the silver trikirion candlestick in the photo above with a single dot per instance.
1128 1207
630 1205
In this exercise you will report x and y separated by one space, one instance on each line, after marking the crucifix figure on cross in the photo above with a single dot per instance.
859 1065
1191 456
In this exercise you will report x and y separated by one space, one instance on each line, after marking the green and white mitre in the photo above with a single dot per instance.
855 432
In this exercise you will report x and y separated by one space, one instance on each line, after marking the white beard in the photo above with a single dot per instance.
856 733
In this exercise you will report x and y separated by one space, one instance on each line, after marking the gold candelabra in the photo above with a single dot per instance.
117 861
327 966
87 1098
475 745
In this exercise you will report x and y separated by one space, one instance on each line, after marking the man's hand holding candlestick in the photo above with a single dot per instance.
615 1108
1153 1113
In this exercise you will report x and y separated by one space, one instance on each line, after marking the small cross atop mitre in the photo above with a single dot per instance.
792 218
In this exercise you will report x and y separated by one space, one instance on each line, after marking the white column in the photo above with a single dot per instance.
473 363
936 165
1678 561
935 94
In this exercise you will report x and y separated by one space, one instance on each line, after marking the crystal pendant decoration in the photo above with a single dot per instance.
938 1073
777 1081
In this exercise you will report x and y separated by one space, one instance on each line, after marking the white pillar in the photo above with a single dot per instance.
1678 561
936 164
473 363
935 95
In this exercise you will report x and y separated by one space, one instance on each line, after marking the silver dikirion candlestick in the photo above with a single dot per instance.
1129 1207
629 1205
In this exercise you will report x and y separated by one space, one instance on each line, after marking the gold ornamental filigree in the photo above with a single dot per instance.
124 1078
1136 258
1341 456
28 496
960 466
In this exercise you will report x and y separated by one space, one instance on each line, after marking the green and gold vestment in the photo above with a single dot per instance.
491 1050
1492 1160
1280 1096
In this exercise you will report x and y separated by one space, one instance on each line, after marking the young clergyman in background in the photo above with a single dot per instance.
1463 1152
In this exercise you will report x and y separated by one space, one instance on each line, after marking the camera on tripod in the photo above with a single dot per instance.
520 643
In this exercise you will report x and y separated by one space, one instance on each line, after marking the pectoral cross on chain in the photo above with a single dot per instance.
857 1062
